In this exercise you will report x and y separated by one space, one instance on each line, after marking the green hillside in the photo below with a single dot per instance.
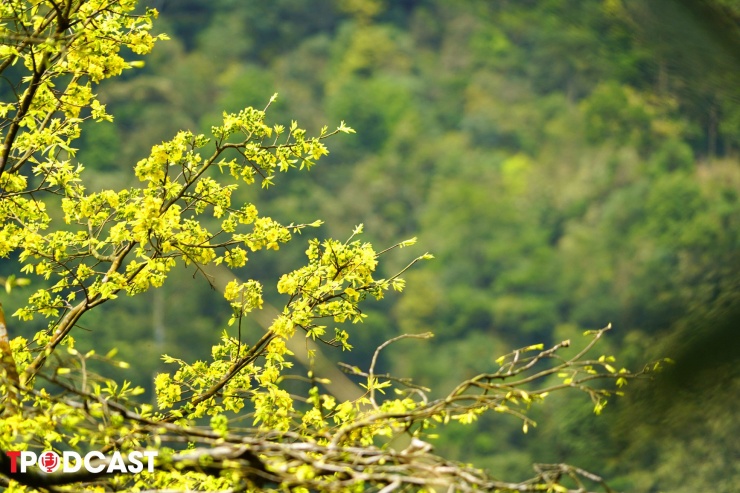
569 163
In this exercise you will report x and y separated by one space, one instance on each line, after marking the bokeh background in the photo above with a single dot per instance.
570 163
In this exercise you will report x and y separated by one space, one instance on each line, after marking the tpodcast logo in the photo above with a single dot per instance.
94 462
49 461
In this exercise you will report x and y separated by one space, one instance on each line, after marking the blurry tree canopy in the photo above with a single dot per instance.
569 163
245 418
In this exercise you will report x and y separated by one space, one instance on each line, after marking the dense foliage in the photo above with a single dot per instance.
569 164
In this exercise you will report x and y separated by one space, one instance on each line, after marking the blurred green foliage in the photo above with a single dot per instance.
568 163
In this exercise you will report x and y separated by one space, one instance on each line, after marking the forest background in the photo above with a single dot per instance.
570 163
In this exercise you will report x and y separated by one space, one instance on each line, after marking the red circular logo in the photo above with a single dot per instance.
49 461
